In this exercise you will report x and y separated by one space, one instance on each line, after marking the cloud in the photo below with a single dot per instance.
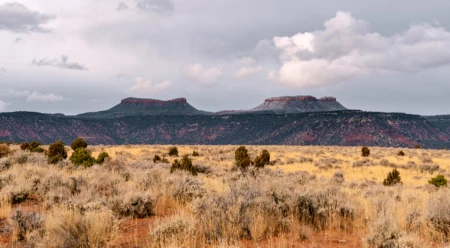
346 49
246 61
17 18
155 6
3 105
247 71
2 70
39 97
17 93
122 6
201 75
145 86
60 63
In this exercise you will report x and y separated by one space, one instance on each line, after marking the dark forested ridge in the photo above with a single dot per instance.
346 128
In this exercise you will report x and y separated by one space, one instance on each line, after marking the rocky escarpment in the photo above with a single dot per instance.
139 106
299 104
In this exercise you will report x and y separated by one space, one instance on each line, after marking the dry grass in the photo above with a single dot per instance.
307 197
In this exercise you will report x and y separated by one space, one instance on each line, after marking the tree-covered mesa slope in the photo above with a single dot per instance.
319 128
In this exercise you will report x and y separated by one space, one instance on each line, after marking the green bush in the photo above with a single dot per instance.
81 156
56 152
78 143
263 159
195 154
4 150
185 164
438 181
173 151
156 158
242 158
164 160
101 157
365 152
401 154
417 146
393 178
25 146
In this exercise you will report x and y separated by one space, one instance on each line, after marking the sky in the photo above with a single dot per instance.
80 56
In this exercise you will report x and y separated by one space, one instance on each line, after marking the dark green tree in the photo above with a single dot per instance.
263 159
25 146
195 154
401 154
34 145
365 152
78 143
185 164
101 157
83 157
156 158
438 181
242 158
56 152
393 178
173 151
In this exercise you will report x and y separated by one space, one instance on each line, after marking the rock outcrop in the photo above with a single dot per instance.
299 104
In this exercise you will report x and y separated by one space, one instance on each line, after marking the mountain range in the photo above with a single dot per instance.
290 120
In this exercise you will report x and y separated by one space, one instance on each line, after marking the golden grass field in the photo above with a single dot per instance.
308 197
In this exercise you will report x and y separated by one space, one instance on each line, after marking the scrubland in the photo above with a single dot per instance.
306 197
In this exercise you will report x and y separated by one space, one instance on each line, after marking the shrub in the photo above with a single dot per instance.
4 150
438 212
263 159
185 164
81 156
34 145
417 146
195 154
25 146
393 178
242 158
68 228
38 150
384 233
25 223
401 154
56 152
78 143
173 151
365 152
438 181
135 205
178 231
156 158
101 157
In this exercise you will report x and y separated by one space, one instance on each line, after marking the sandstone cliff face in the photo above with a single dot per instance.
299 104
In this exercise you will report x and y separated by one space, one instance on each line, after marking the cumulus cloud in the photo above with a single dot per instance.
346 49
155 6
145 86
63 63
39 97
16 17
3 105
202 75
247 71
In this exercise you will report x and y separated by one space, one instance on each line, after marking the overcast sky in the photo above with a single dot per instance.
86 55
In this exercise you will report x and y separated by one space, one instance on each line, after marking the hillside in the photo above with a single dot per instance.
345 128
138 106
